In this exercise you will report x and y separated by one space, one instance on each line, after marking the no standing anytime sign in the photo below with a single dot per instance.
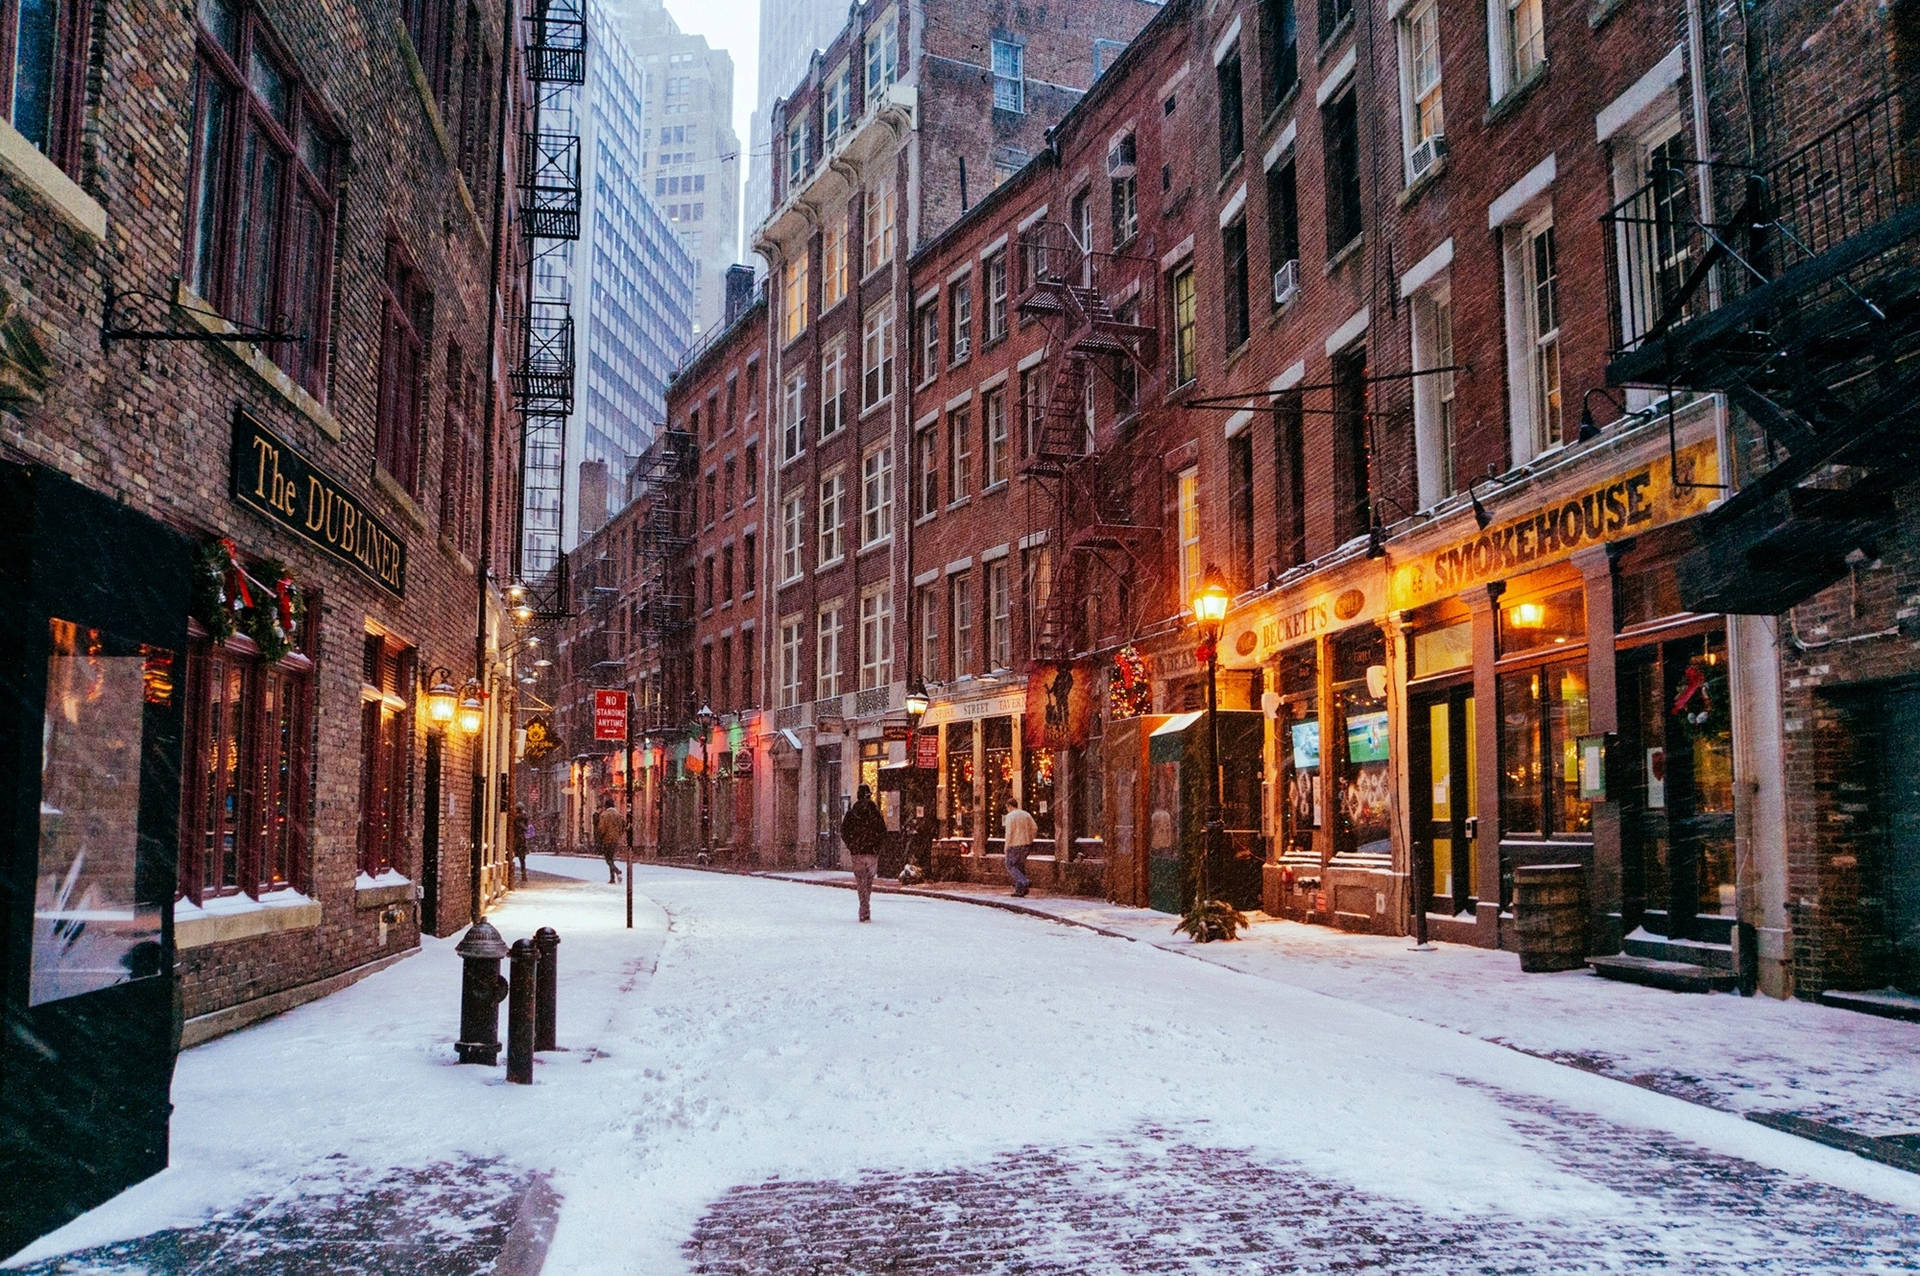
609 715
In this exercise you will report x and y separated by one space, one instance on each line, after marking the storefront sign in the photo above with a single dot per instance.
999 706
895 731
1618 507
1059 709
269 476
609 715
1297 617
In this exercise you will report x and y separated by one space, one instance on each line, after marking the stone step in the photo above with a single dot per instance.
1692 952
1889 1003
1674 976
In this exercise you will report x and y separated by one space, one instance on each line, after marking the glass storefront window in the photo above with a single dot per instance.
1037 783
959 779
996 738
1543 714
1362 786
1297 735
1438 650
1543 621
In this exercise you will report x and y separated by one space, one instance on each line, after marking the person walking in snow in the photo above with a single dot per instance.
864 829
521 832
609 830
1021 829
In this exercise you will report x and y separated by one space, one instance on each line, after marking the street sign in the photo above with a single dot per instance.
609 715
927 746
895 731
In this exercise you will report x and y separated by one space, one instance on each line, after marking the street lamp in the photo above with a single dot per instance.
1210 613
917 704
706 718
472 707
442 699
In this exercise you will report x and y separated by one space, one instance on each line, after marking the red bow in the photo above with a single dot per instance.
239 573
285 591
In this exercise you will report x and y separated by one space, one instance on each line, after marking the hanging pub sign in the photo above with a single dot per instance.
541 742
268 475
1059 706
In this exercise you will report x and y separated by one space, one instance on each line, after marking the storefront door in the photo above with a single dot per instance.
1677 834
833 805
1901 784
1444 799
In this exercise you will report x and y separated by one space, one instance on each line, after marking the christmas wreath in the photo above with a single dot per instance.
1128 692
264 604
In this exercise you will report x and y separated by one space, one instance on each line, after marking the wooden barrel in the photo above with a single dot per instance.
1550 907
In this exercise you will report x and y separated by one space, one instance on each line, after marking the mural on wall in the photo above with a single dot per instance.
1059 706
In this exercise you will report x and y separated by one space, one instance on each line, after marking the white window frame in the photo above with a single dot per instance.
1009 76
876 357
1532 353
926 321
832 544
876 247
833 388
793 297
995 462
959 452
1639 276
1433 395
881 55
1000 614
994 274
1512 61
876 637
1419 121
926 447
793 634
793 416
799 143
960 616
876 496
1192 558
927 603
793 534
834 273
960 318
836 107
826 650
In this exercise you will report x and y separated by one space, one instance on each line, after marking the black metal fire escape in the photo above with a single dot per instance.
1802 304
663 493
1100 525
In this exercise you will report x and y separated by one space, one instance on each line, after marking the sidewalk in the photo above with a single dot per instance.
1837 1076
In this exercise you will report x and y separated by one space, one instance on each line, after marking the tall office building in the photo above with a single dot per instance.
790 30
690 155
633 279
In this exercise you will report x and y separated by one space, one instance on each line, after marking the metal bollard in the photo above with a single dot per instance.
481 990
521 964
546 988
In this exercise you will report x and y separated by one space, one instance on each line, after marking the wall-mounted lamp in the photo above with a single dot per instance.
472 707
1589 430
442 699
1527 615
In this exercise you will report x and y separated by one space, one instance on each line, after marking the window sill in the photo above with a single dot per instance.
458 556
235 917
875 273
1332 42
1281 109
928 517
393 489
377 892
801 455
958 363
1514 98
957 502
60 193
1231 171
201 312
828 565
1602 10
828 438
998 485
876 406
1347 250
1418 185
882 543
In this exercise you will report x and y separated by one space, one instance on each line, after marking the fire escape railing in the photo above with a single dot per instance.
663 492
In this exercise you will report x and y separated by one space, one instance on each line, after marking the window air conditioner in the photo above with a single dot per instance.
1120 158
962 347
1286 282
1427 154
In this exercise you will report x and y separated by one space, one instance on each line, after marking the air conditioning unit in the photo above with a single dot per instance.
1428 153
962 347
1120 158
1286 283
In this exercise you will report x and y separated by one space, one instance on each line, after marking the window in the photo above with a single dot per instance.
1036 574
1125 192
1353 502
876 637
833 260
1420 84
876 354
432 37
1534 354
883 55
798 136
926 326
1233 254
1240 504
1289 480
999 614
996 276
960 451
748 696
960 608
837 106
833 388
1332 14
1080 226
1433 394
876 495
926 468
259 243
960 301
878 226
793 416
1187 494
833 490
1184 367
1543 714
459 451
386 730
43 60
1233 136
706 571
1279 37
793 296
405 311
1105 54
1283 223
712 503
753 472
993 417
792 637
1009 77
1653 242
1518 38
726 485
1033 408
749 563
726 573
926 605
243 801
827 652
1340 128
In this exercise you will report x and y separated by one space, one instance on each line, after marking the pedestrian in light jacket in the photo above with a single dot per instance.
864 830
609 830
1021 829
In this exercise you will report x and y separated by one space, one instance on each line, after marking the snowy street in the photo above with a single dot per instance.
752 1082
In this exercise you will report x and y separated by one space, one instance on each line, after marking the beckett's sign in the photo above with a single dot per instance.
270 476
609 715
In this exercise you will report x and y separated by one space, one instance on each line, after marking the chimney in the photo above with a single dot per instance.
593 497
739 291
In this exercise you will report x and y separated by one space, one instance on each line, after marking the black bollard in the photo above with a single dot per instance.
481 989
546 989
521 964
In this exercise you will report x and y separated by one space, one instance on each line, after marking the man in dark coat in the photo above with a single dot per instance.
864 830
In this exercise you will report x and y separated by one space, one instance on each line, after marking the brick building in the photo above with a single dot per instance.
246 302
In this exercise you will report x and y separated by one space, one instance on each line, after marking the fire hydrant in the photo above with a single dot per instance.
546 991
481 992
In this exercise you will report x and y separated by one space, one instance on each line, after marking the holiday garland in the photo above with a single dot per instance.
265 604
1128 692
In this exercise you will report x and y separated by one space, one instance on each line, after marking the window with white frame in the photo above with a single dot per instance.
926 321
926 470
1009 76
833 259
882 54
959 452
1036 574
833 492
993 419
793 296
833 388
1420 101
926 605
1124 191
876 637
996 276
1543 332
960 610
793 415
876 495
876 356
837 105
1033 407
1653 245
799 135
793 530
1433 431
1191 566
1516 43
960 304
793 634
878 227
827 652
999 614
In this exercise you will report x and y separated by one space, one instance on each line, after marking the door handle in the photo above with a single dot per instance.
1472 827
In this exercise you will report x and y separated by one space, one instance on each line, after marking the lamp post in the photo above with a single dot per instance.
706 718
917 703
1210 612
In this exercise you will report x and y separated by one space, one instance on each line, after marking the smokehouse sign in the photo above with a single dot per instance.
277 481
